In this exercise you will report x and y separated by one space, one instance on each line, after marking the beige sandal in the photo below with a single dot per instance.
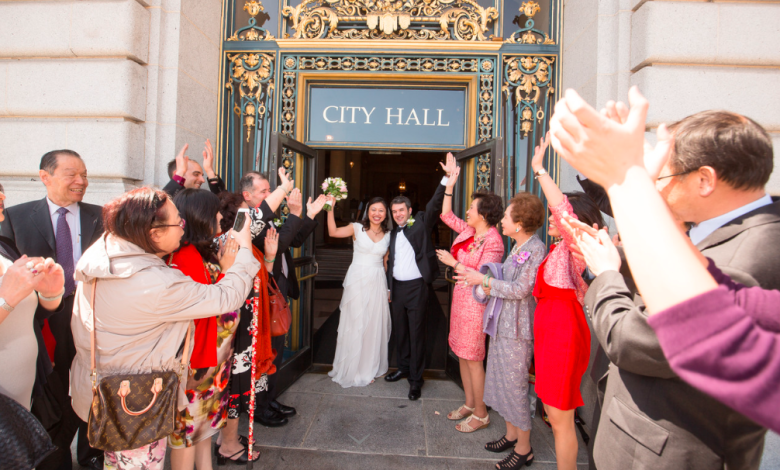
459 413
464 425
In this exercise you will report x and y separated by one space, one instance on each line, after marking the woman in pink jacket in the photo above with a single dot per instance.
478 242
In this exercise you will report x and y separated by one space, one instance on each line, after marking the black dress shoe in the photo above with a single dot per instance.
396 376
283 410
270 418
414 393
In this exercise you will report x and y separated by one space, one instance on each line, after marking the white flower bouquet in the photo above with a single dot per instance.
335 187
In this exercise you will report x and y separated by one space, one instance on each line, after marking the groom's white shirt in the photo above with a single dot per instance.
405 263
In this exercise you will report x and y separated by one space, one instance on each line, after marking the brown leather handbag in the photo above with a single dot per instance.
132 410
280 309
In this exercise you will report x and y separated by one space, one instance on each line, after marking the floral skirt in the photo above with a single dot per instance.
149 457
206 412
241 370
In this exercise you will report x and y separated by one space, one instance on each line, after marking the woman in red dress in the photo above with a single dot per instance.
561 333
478 242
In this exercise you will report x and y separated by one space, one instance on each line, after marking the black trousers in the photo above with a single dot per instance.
70 424
409 302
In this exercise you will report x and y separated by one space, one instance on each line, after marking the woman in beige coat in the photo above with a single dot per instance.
143 307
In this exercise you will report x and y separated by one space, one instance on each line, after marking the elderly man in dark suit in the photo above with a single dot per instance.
714 180
62 227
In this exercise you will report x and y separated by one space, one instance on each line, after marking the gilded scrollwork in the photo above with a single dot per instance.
251 76
527 79
463 20
529 34
252 32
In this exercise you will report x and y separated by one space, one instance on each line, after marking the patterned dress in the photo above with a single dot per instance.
511 350
207 410
466 337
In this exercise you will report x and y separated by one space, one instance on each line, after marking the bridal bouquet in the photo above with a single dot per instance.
335 187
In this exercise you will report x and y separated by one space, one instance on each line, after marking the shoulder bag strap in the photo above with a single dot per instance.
93 363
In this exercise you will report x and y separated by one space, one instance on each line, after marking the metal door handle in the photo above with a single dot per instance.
309 276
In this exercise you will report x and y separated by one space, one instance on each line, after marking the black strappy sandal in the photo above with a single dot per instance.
242 459
515 461
500 445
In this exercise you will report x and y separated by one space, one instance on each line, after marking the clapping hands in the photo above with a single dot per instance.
182 161
601 148
593 245
271 245
314 208
295 202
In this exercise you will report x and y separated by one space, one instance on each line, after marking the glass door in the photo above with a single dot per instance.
480 169
301 160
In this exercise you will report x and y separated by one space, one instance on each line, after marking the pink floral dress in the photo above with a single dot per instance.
466 337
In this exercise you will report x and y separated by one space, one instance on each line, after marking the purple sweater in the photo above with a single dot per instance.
726 343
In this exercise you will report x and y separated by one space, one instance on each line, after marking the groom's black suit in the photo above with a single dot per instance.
410 297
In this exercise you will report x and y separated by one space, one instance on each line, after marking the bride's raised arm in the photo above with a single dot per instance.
337 232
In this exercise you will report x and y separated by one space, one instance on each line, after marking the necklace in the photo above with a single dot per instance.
378 233
516 249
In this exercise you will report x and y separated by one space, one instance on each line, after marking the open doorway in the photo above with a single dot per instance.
369 174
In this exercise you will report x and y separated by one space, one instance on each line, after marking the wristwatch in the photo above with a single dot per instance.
539 173
4 305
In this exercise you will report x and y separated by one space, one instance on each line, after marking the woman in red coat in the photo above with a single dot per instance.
561 333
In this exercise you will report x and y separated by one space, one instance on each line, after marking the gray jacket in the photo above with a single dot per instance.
650 417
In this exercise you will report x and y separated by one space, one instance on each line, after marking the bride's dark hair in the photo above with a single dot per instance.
365 220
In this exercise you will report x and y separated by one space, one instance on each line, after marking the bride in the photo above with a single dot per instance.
364 326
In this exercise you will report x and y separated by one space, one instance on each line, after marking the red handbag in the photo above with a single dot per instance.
281 318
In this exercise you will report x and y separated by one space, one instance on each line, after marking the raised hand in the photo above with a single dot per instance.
453 178
537 162
50 278
286 184
208 160
314 208
181 161
227 255
655 157
450 165
271 245
295 202
599 252
598 147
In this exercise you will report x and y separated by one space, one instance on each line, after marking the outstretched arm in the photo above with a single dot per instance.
446 207
274 200
337 232
551 191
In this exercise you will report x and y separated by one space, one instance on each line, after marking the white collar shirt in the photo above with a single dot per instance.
405 262
703 230
73 217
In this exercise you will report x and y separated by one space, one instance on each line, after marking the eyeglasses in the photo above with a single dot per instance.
676 174
182 223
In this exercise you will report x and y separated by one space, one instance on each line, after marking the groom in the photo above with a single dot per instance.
411 267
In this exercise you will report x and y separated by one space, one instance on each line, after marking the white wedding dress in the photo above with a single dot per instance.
364 326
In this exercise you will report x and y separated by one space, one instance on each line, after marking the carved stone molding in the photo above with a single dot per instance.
463 20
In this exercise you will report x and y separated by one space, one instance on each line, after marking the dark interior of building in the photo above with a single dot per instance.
369 174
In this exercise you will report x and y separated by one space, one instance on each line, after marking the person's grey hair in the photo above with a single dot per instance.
49 159
247 182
